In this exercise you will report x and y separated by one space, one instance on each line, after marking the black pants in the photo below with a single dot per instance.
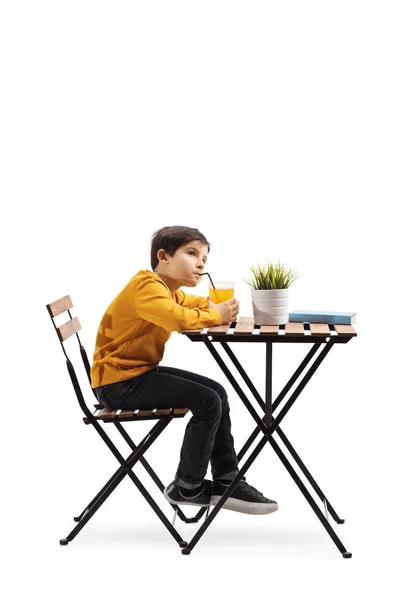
208 435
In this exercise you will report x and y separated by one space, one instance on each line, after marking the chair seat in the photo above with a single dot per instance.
110 415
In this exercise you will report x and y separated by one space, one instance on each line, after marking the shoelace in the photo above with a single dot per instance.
257 494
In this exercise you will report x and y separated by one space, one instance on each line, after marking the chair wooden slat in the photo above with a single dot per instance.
107 413
69 328
180 411
269 330
124 415
110 414
294 329
145 413
345 330
245 326
218 329
320 329
59 306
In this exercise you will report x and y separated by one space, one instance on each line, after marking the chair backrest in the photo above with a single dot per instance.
65 331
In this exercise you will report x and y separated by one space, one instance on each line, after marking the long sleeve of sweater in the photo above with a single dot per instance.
154 302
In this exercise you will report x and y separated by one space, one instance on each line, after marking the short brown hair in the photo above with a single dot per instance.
172 238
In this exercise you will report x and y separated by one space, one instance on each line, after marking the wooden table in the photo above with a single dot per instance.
322 338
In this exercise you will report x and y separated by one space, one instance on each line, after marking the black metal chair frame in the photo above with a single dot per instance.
268 425
138 451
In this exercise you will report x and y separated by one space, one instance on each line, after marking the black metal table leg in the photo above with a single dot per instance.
305 362
268 425
310 499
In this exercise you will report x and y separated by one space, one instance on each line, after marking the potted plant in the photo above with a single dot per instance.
270 284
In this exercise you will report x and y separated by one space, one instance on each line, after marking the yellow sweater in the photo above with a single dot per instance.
137 324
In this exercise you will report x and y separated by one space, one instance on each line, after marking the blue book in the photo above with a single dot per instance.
322 316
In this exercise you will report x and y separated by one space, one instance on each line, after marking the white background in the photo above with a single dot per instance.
273 127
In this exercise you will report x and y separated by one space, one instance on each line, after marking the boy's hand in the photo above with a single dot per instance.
229 310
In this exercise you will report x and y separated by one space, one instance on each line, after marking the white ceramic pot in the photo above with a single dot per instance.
270 307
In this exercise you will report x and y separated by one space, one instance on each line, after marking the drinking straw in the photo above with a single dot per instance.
209 276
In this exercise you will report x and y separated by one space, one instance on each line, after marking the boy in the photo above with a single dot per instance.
126 373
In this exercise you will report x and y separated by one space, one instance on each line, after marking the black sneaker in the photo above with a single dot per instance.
244 498
177 495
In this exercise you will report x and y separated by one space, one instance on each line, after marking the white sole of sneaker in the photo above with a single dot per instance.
249 508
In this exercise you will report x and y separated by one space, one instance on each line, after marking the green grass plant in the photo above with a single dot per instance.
271 276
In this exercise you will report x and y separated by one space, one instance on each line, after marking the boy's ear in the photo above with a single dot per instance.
162 256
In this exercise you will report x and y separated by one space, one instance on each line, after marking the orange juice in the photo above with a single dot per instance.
224 291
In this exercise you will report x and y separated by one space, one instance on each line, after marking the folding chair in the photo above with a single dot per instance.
102 415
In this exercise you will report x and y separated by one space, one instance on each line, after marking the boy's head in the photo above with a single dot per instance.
179 253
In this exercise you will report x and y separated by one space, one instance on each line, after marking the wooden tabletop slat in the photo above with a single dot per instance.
269 330
180 411
345 330
160 412
189 331
219 329
320 329
294 329
245 326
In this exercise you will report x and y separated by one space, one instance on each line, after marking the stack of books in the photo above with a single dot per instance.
322 316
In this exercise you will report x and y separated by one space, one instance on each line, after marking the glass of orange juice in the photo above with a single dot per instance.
224 290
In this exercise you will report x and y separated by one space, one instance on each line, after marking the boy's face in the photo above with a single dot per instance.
185 266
